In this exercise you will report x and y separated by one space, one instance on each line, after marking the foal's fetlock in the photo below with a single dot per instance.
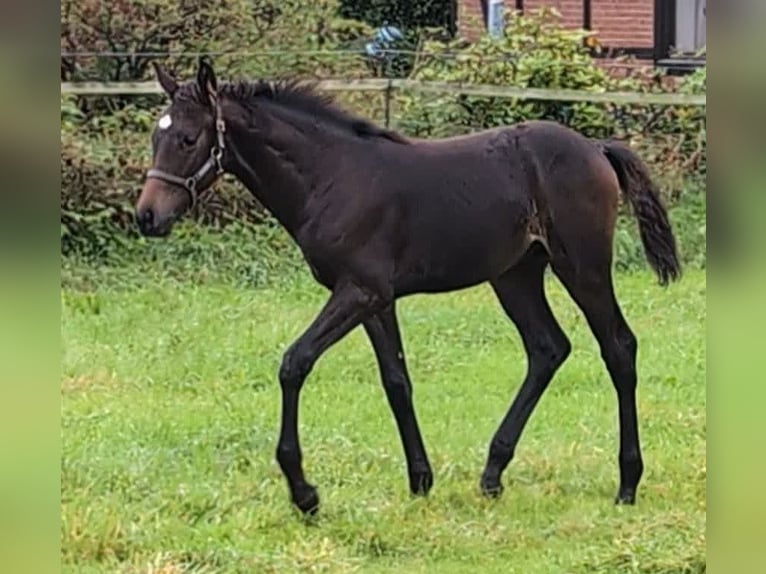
421 481
626 496
490 485
306 499
631 470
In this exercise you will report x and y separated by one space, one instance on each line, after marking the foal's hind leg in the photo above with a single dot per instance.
590 285
521 293
383 332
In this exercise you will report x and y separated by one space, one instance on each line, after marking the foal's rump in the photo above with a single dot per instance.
579 181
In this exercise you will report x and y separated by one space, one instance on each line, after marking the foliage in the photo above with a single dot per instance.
269 38
132 28
535 52
415 20
241 254
138 32
300 42
405 14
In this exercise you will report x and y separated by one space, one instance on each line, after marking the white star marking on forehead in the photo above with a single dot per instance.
165 122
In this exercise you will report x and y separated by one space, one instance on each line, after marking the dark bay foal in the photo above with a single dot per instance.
379 216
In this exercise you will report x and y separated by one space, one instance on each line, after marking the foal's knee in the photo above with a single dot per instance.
549 355
296 365
627 341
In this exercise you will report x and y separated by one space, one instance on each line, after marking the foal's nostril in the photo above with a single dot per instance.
145 219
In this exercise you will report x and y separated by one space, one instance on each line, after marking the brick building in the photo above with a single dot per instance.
666 32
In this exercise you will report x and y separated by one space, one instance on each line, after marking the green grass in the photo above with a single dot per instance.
170 415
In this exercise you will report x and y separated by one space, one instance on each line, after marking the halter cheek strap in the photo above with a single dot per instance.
213 161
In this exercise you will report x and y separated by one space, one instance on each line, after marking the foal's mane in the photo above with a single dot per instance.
301 96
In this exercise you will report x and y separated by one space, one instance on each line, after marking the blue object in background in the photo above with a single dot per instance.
386 38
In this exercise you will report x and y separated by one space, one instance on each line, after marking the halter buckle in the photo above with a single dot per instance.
217 153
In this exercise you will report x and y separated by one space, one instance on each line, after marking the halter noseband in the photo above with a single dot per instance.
213 162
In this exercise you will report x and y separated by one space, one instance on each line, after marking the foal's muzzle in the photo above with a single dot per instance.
158 206
149 225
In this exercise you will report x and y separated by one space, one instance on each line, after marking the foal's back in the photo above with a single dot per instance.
469 207
464 208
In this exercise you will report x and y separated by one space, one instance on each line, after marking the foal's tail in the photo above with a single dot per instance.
653 224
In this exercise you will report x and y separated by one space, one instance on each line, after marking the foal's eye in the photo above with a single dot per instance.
188 141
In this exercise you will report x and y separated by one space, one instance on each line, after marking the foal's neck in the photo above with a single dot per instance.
276 160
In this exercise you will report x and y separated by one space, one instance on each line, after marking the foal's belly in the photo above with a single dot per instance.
472 250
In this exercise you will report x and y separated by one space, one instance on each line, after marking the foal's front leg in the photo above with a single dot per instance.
383 331
347 307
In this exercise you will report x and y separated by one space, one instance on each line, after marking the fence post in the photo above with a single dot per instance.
389 88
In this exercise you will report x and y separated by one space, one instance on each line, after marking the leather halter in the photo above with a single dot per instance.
213 161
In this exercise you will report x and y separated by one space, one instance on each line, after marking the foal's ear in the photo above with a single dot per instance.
206 79
165 79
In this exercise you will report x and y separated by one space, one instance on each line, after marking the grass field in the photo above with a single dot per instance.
170 409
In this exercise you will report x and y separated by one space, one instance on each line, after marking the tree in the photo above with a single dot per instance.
134 32
405 14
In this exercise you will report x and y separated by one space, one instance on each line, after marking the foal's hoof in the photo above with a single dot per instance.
627 497
307 500
491 487
421 482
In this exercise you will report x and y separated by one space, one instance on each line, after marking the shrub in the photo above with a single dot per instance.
241 254
138 32
402 13
535 52
414 20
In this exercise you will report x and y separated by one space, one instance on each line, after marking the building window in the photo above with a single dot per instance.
679 34
690 26
518 5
